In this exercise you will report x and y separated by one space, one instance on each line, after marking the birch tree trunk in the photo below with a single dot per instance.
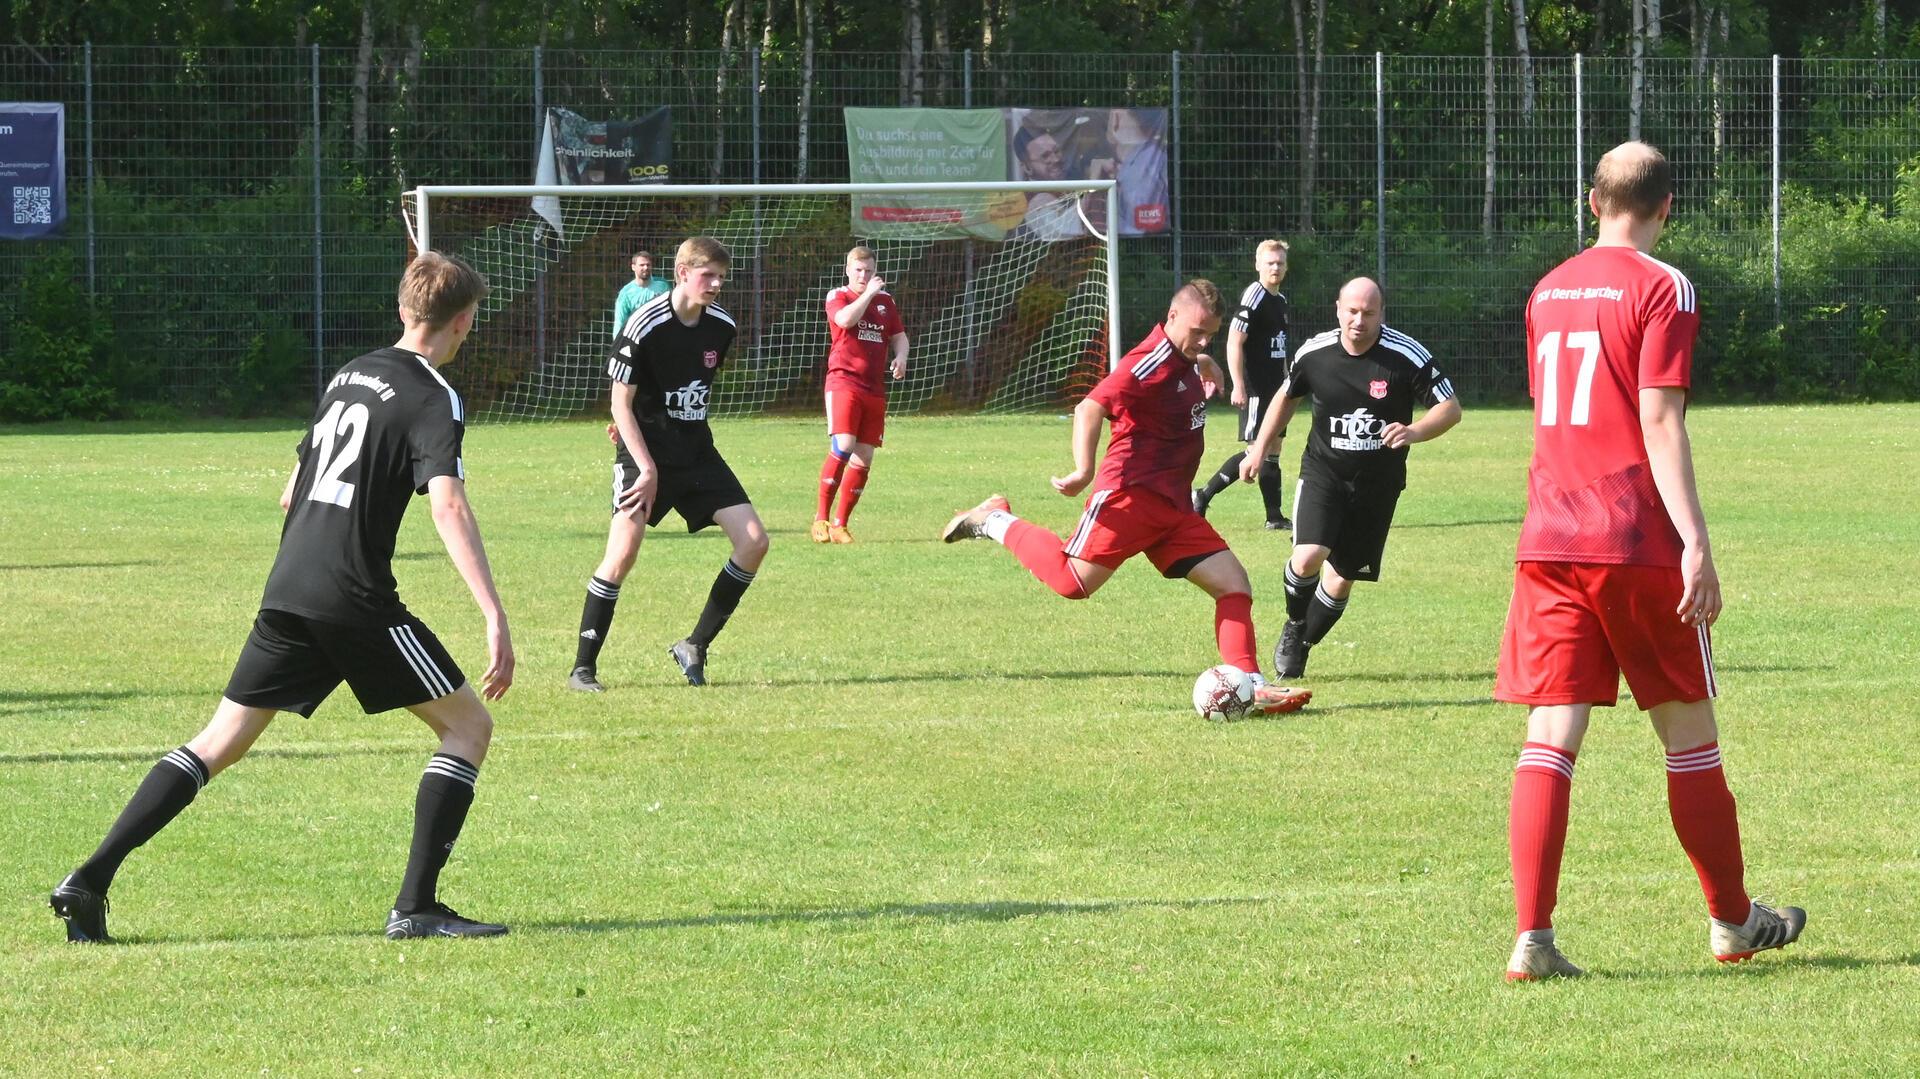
808 18
1523 45
1486 191
732 18
1637 90
1653 21
362 79
913 57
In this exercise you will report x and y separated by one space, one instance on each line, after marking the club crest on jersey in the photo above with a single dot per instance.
881 308
1377 389
711 358
1199 416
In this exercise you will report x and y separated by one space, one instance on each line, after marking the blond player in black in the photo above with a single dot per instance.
1257 350
1365 380
663 367
388 427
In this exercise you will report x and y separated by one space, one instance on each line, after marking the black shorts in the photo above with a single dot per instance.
1260 401
1350 520
696 489
292 663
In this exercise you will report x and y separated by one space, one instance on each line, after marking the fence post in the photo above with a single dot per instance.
540 280
1173 176
966 307
1380 167
753 105
966 79
753 113
1776 189
1579 154
319 241
87 78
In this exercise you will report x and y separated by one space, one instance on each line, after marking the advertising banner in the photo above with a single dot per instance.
577 151
930 146
33 168
1126 145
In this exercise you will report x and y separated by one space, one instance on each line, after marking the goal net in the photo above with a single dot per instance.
1008 290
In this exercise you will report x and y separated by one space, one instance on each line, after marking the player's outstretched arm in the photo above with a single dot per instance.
1088 417
453 518
1273 428
1663 426
1438 421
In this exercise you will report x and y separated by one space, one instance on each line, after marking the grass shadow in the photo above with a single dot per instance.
77 565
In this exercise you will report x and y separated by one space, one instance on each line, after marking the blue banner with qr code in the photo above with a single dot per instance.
33 169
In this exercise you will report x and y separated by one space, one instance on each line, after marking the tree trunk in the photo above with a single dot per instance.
362 79
1198 42
1653 22
913 57
1486 189
733 17
1637 89
1524 47
1880 29
809 17
942 48
1700 26
1310 105
300 32
1719 98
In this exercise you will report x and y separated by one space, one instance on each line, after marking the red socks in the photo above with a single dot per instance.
1709 828
850 488
1537 831
1233 631
829 479
1045 556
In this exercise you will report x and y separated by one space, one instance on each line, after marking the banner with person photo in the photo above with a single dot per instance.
1125 145
33 169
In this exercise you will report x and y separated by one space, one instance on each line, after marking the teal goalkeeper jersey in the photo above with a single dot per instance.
632 297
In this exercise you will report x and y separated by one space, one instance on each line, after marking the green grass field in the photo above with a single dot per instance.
930 818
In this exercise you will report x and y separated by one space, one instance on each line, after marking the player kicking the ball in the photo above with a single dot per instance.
387 427
864 320
1615 575
1157 401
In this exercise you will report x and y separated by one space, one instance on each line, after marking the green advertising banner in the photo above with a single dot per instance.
920 146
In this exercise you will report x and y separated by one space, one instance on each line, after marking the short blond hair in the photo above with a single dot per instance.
698 251
1203 292
1270 245
436 288
861 253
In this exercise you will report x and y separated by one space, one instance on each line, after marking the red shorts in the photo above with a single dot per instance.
859 413
1120 524
1574 628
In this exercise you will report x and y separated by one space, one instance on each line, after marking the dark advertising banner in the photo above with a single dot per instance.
576 150
33 169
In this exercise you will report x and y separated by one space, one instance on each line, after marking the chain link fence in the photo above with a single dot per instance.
236 210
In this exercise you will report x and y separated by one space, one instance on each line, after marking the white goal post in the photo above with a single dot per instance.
1010 291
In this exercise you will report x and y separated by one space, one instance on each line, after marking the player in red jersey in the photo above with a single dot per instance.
865 323
1615 575
1157 400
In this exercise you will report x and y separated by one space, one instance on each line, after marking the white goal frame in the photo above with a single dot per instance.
421 228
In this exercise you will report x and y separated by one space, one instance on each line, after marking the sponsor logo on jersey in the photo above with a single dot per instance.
689 402
1199 416
1377 388
712 359
1277 348
1357 430
869 332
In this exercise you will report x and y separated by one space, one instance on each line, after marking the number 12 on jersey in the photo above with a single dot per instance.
341 421
1587 343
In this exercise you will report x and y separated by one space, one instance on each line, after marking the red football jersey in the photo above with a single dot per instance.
1601 327
1159 412
858 357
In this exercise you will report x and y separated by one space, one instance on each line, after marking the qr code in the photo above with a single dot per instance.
33 205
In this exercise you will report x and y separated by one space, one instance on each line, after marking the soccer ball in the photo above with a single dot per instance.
1222 693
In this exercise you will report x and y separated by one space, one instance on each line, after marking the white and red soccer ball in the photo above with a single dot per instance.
1222 693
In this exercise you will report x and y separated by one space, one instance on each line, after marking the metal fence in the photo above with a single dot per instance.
236 209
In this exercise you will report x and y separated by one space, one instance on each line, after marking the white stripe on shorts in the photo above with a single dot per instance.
1706 661
1253 419
1078 541
423 666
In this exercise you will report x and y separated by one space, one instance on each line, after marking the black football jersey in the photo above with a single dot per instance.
671 367
387 424
1356 397
1262 316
